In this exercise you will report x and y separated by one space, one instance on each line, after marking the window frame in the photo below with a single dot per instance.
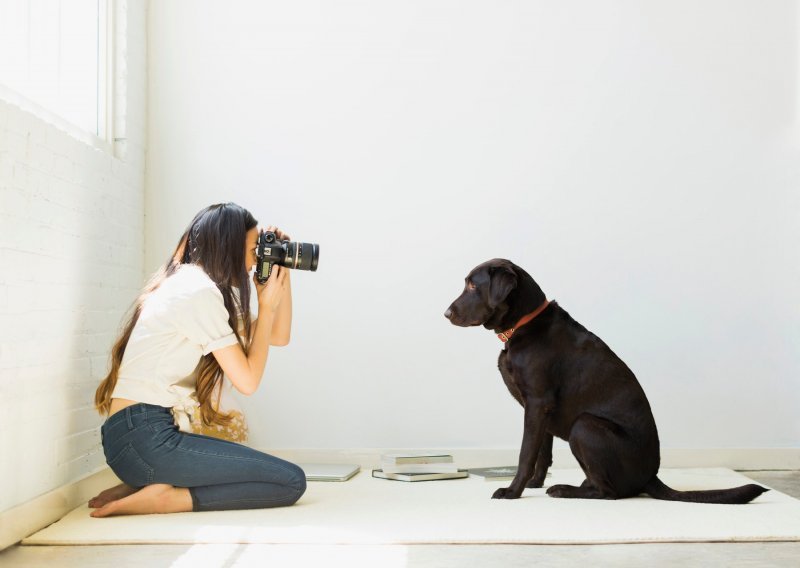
104 121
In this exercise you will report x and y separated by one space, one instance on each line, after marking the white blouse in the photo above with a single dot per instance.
181 320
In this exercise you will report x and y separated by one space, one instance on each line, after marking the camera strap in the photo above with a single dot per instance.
506 335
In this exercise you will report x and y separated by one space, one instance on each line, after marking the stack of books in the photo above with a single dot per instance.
418 466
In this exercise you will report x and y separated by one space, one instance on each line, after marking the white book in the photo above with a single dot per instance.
419 468
416 457
419 476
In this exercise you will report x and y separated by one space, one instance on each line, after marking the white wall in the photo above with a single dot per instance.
71 262
640 160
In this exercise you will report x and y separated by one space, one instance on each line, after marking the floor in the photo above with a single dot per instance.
462 556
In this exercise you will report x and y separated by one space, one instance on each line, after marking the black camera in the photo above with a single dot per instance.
271 250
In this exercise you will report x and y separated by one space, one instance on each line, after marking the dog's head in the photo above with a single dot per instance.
496 294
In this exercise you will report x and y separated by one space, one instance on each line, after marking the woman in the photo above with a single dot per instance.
190 326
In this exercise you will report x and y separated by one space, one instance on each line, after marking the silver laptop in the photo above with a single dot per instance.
329 471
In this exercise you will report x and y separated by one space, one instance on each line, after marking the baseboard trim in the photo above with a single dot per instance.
26 519
733 458
34 515
741 459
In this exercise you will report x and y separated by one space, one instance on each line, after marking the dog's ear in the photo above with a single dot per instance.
502 279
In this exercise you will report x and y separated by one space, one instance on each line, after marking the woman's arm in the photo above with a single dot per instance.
245 371
282 323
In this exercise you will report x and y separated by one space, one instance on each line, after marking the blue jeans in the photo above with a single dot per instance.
143 445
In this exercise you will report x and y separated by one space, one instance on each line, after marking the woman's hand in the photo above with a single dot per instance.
271 292
280 234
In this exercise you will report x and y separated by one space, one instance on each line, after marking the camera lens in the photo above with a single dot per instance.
314 257
302 256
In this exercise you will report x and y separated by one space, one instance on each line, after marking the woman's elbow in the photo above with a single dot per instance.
247 389
280 341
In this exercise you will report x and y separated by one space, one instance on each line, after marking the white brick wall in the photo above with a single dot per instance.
71 261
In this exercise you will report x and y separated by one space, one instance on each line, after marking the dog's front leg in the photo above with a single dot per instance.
543 462
532 440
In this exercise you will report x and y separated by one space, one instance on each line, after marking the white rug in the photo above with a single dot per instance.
365 510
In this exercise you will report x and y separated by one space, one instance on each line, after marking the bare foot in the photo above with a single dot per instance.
156 498
112 494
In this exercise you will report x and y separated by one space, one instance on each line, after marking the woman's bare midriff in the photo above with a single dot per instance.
118 404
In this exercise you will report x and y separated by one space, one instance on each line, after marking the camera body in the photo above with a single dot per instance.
271 251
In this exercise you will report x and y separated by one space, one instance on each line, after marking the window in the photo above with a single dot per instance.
56 54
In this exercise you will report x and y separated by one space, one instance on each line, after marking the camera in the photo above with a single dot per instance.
271 250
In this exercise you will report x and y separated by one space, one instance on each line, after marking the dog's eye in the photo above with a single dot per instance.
470 285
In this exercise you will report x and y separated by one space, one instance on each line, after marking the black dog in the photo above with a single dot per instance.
574 387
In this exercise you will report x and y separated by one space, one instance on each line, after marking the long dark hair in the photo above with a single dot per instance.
215 241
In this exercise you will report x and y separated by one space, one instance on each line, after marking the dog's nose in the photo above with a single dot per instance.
448 313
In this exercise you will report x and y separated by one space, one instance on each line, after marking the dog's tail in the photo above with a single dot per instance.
734 496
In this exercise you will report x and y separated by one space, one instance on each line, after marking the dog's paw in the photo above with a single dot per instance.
505 493
561 491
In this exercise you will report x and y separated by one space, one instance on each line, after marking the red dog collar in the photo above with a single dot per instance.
506 335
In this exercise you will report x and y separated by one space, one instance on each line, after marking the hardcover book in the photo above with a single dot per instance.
420 468
416 458
460 474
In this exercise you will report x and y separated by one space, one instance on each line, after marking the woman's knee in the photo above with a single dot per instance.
286 474
298 480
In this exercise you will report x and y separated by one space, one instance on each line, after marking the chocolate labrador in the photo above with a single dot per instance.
573 386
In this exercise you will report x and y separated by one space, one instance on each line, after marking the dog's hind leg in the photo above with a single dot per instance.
600 446
585 491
